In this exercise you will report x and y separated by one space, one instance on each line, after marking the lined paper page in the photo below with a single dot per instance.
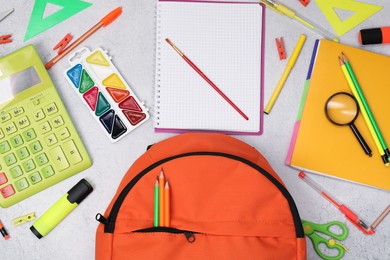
224 41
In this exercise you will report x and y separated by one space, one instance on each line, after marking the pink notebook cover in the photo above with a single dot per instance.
168 130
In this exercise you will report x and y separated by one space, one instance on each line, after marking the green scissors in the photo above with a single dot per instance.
311 229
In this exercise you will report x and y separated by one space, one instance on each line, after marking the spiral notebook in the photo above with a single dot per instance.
225 41
321 147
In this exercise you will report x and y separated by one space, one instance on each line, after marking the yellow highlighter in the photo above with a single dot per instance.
65 205
289 66
284 10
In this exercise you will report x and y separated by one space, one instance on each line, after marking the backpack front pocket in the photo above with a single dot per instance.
172 243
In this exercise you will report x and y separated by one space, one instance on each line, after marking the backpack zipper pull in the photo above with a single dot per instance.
99 217
189 236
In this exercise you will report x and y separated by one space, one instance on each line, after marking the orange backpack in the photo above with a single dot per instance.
226 203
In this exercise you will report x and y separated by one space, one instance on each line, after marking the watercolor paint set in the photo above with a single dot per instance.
104 91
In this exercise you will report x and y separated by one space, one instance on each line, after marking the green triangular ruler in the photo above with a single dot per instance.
362 11
39 24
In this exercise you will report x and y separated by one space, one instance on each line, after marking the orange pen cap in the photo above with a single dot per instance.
109 18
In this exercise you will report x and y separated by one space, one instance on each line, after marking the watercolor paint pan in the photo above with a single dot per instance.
106 94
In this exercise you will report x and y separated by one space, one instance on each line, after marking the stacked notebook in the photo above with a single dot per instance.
225 41
322 147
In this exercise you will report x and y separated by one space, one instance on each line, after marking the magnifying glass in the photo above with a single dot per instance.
342 109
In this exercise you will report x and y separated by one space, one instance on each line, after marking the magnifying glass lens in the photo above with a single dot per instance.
342 109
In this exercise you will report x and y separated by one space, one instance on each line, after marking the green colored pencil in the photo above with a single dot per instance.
156 203
366 106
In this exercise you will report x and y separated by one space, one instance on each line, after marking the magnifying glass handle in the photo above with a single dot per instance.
360 138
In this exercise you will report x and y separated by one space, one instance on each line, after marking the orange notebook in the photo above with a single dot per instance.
321 147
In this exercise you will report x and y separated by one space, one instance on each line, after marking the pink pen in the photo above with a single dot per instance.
349 214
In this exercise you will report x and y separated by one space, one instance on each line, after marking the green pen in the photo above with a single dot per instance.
156 202
366 106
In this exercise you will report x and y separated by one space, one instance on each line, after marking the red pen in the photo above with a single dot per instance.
207 79
349 214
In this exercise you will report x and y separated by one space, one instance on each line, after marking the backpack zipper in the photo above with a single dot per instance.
190 235
109 223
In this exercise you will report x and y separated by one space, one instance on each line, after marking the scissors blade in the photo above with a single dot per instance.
4 15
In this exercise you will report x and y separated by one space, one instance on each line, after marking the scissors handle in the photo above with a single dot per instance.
331 244
311 230
325 229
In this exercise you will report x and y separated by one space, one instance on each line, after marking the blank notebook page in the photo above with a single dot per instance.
224 41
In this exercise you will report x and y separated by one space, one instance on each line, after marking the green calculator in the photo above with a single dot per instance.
39 145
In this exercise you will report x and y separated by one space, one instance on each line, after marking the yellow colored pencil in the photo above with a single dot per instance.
287 70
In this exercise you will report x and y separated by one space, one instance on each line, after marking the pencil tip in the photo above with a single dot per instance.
341 61
162 173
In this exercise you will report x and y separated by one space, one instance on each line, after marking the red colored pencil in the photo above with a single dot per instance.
207 79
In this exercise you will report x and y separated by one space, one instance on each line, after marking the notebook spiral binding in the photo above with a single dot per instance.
158 65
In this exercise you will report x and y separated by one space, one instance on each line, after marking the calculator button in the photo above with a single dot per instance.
4 147
58 158
71 152
16 172
18 111
3 178
1 134
22 153
51 139
7 191
51 109
29 165
57 121
10 159
35 147
41 159
47 171
16 141
21 184
35 178
45 127
29 135
10 128
23 122
5 117
63 133
39 115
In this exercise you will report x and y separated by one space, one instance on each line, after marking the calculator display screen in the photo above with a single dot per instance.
16 83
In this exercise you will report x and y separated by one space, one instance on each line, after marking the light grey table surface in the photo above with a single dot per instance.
131 42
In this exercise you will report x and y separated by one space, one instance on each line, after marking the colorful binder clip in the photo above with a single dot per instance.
5 38
63 43
280 46
304 2
21 220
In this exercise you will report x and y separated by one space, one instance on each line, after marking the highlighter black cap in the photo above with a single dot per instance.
370 36
79 192
35 232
